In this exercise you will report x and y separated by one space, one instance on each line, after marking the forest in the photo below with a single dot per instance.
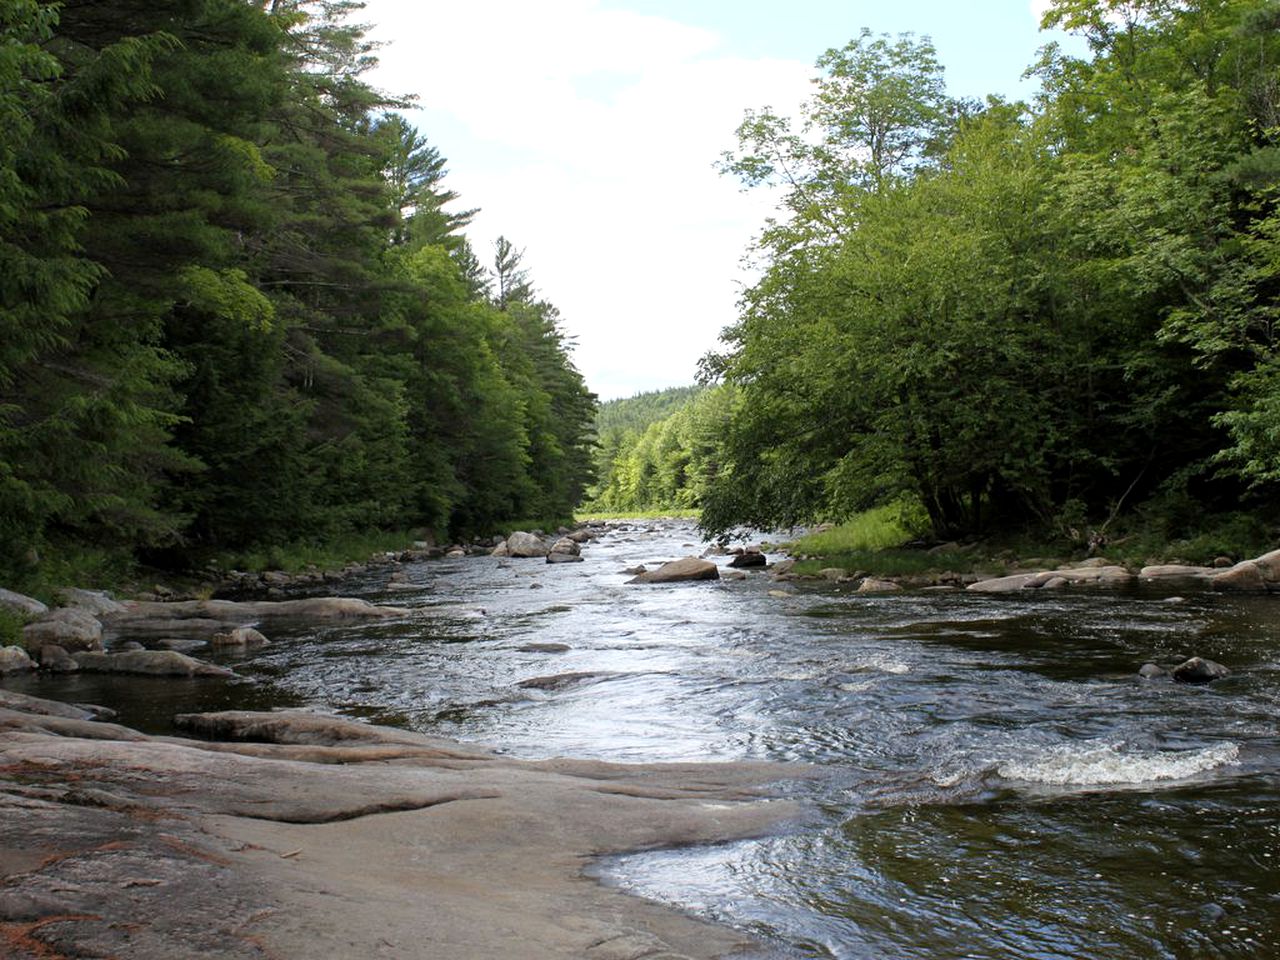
1058 315
237 302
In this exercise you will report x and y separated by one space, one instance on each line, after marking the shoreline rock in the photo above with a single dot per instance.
306 837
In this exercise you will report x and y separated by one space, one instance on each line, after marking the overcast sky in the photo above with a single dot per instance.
587 132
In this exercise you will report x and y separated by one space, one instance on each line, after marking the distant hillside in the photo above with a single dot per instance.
636 413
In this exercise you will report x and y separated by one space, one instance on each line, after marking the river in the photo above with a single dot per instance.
998 783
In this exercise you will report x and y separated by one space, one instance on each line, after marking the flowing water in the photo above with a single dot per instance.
997 781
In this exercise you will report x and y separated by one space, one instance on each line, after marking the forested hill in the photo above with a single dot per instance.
237 305
636 413
1057 314
659 450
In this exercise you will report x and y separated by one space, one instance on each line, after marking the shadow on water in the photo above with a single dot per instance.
1003 785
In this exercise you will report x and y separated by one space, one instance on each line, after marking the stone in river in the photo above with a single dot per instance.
18 603
749 558
681 571
1153 671
1199 670
155 663
522 544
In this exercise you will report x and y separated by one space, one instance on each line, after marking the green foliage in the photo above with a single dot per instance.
1023 318
665 462
877 529
236 311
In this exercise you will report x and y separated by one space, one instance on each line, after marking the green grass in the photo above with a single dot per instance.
881 528
669 514
11 624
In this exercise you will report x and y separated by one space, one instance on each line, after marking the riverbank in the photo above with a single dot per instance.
294 835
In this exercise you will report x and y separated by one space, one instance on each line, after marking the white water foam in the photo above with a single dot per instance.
1105 763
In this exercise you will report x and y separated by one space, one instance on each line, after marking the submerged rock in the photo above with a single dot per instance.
1199 670
1153 671
872 585
681 571
241 638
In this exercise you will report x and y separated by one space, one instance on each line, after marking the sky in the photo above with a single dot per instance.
587 132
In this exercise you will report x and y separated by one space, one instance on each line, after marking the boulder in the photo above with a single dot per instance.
1199 670
1153 671
1245 577
501 550
97 603
873 585
55 659
154 663
783 566
68 627
581 536
566 546
733 575
681 571
20 604
1057 583
564 558
749 559
636 570
1012 584
522 544
833 573
14 660
1269 565
241 638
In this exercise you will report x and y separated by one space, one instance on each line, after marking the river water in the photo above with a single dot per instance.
997 781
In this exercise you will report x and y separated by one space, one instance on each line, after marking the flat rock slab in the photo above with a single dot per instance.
314 838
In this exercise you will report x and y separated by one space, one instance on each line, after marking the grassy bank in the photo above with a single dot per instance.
872 543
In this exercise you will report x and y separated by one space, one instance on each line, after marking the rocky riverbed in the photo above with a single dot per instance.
294 835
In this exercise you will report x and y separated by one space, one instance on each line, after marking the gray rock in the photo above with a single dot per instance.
1199 670
522 544
1175 571
783 566
1153 671
833 573
97 603
1011 584
872 585
545 648
567 546
240 638
685 570
15 660
501 550
563 558
749 559
55 659
636 570
733 575
155 663
68 627
21 604
1245 577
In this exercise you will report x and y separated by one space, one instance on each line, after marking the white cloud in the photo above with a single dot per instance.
589 137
